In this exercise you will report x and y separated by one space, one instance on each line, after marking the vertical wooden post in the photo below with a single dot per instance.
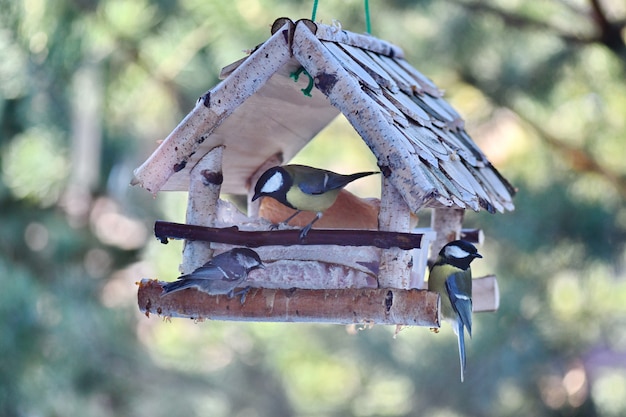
447 223
394 216
204 192
420 258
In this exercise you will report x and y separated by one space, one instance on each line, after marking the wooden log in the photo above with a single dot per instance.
253 239
394 216
475 236
340 306
485 294
202 203
447 222
343 306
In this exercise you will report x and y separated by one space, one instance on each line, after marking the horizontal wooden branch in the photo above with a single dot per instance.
473 235
485 294
254 239
343 306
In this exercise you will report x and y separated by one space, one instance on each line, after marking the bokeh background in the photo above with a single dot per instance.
88 87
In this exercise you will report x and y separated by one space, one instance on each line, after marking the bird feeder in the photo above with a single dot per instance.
367 265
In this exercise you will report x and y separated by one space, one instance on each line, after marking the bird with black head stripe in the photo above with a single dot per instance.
451 277
304 188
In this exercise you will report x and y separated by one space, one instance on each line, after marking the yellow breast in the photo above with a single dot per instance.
437 283
309 202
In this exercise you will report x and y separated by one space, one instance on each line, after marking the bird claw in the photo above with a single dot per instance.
305 231
434 329
242 292
274 226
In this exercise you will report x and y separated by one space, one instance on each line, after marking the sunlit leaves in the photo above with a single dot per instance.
128 18
35 166
13 74
566 296
609 391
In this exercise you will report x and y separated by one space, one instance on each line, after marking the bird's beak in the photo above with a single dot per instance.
477 255
256 195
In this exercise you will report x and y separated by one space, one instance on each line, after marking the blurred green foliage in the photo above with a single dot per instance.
88 87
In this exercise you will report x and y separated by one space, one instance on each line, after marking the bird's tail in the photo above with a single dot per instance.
460 334
353 177
336 181
174 286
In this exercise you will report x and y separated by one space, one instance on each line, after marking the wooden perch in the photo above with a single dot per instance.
234 236
473 235
343 306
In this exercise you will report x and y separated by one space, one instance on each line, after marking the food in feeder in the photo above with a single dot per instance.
348 212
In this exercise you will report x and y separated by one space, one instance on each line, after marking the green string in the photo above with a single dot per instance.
368 26
314 12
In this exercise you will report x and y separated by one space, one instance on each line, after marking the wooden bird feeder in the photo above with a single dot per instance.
368 264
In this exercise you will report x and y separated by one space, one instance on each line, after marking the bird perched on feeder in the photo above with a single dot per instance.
221 275
451 277
304 188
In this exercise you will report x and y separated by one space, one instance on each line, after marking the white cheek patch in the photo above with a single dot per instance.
456 252
246 261
273 184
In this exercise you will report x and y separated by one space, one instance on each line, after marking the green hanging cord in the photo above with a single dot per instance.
314 12
368 26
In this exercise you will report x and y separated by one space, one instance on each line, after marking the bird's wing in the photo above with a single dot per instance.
326 181
313 185
210 272
335 181
459 288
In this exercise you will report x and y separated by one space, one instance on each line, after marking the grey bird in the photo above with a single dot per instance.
221 275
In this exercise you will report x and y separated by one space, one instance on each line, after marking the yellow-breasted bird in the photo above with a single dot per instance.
220 275
304 188
451 277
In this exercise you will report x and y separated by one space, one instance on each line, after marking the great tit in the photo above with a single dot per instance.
451 277
221 275
303 188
